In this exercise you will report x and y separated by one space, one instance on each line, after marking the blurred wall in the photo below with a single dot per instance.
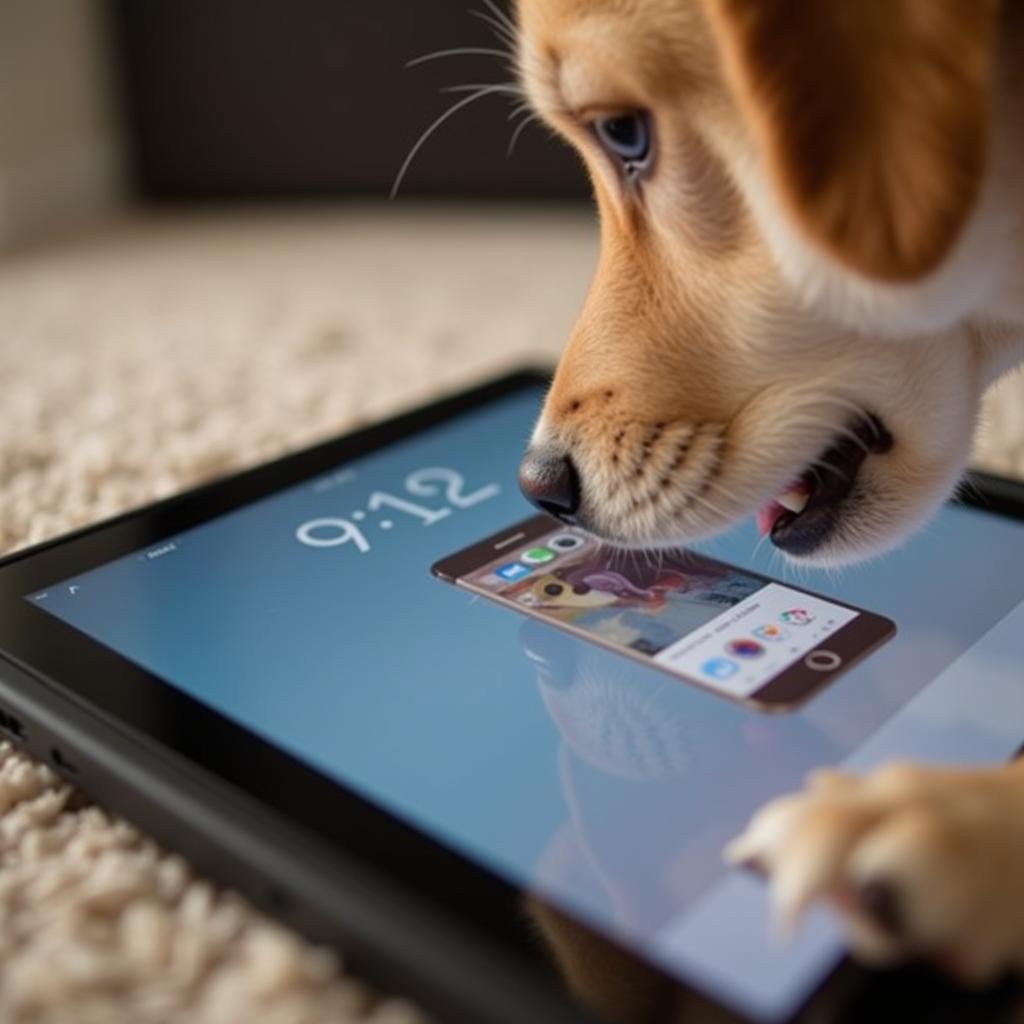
60 145
271 98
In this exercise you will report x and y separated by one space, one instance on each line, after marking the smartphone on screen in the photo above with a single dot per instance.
734 632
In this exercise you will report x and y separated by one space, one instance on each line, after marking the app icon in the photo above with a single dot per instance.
771 632
745 648
797 617
719 668
513 571
566 542
537 556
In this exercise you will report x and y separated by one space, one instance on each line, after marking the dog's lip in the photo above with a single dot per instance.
823 488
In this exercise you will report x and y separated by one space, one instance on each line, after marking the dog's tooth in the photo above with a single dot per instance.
794 501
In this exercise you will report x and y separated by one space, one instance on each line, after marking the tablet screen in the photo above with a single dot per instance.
595 780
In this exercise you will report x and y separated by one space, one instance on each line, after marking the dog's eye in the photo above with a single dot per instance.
626 137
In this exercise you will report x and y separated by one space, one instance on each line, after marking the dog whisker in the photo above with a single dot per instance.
458 51
503 32
480 94
517 134
506 88
501 16
761 541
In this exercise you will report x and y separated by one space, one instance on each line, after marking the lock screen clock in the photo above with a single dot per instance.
434 482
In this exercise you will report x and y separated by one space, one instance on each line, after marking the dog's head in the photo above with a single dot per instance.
798 216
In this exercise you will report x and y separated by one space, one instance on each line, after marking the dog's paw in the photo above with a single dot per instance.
919 862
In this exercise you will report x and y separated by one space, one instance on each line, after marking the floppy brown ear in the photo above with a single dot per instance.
871 118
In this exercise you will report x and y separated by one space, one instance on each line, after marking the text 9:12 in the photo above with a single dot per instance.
333 532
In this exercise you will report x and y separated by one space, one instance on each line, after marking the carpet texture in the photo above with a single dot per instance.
163 351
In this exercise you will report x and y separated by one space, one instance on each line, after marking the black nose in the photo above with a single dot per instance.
549 479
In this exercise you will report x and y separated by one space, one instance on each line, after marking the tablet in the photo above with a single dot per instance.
511 819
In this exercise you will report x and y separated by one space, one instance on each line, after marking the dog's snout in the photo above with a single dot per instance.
549 479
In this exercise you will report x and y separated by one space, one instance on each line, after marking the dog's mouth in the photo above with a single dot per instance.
802 518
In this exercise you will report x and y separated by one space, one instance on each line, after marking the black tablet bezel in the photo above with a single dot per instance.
124 694
157 714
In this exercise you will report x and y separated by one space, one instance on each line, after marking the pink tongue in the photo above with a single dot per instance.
767 515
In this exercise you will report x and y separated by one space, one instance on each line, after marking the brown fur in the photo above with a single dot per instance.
883 166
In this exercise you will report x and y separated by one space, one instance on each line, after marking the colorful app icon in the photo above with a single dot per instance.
771 632
797 617
513 571
719 668
744 648
537 556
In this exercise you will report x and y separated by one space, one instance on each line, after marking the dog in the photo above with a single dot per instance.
811 269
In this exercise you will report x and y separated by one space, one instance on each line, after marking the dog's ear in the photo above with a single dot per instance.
871 118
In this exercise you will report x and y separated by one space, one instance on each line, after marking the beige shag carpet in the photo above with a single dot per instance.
161 351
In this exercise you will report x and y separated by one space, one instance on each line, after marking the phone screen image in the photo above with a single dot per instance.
739 634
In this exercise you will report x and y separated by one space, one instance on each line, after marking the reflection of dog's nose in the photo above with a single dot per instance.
549 479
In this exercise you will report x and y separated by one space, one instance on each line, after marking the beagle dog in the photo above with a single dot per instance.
811 269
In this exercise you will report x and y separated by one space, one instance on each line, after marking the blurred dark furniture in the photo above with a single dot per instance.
262 98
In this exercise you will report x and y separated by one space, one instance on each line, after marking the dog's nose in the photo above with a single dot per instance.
549 479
